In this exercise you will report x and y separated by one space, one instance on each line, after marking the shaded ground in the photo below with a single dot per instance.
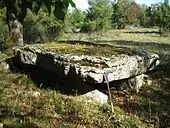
143 32
152 103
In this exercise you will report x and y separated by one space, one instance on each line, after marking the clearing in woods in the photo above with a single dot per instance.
23 104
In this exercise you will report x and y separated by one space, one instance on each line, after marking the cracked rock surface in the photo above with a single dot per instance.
89 68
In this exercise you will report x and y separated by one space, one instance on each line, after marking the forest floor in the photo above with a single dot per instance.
23 104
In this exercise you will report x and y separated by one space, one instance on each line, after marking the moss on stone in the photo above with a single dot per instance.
84 49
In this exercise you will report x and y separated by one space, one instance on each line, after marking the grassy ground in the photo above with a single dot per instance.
138 35
23 104
152 104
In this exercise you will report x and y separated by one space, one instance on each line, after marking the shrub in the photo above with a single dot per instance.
88 26
99 13
164 32
4 30
76 18
41 28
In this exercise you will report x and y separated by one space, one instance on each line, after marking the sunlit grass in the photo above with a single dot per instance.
137 34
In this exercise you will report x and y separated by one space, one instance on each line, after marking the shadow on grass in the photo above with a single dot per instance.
151 104
151 46
144 32
126 43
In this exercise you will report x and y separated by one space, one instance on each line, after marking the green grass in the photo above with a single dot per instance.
137 34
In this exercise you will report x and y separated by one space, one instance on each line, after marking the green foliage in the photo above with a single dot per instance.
99 13
159 15
19 7
16 11
4 29
7 46
75 20
5 40
143 19
121 12
37 28
41 27
163 18
89 26
151 13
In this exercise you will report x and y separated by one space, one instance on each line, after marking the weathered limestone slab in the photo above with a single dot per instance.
90 68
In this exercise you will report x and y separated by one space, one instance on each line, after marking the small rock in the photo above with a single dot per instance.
5 66
149 82
97 96
36 94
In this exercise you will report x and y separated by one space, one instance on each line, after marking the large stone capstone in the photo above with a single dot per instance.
88 67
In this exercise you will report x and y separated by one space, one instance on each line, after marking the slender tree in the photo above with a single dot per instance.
76 18
121 13
100 12
143 19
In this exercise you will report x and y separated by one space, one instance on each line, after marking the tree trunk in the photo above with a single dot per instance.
15 29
